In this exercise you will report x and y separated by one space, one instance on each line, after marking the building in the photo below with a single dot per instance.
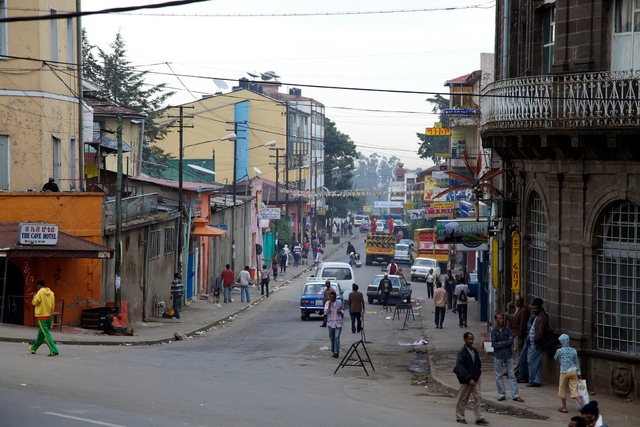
563 112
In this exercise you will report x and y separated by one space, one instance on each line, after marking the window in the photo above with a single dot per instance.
4 30
537 249
617 290
549 39
154 244
458 97
169 240
57 158
70 43
54 36
73 172
626 35
5 165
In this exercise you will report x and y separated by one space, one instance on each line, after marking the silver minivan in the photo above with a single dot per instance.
343 273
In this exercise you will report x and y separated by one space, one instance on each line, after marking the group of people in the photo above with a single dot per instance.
522 344
334 315
453 296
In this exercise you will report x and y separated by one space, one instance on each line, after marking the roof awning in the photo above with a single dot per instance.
68 246
202 229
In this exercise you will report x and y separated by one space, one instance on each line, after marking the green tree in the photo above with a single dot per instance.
430 145
282 228
340 155
91 69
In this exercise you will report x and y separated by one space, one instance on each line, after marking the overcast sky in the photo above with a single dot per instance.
416 50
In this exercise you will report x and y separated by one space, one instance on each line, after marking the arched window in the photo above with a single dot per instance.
617 290
537 249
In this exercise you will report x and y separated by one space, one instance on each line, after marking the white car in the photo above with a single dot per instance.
343 274
421 267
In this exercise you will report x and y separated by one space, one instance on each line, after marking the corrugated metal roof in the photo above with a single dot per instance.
188 186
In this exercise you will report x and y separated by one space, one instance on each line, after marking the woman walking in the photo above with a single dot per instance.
430 279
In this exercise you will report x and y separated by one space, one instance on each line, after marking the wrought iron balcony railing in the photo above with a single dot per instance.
569 101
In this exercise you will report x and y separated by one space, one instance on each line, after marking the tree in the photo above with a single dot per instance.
339 159
430 145
122 84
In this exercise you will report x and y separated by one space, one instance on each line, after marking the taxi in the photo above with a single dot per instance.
312 298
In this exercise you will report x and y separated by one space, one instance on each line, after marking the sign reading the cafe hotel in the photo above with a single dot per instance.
37 234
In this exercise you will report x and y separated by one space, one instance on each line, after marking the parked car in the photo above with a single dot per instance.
365 227
343 274
404 254
312 298
421 267
473 285
359 219
401 289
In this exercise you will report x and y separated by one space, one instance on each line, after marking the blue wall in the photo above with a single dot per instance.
241 117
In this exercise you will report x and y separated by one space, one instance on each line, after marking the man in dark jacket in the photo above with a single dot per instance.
468 370
538 329
385 287
518 326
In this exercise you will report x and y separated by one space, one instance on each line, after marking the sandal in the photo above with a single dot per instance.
564 411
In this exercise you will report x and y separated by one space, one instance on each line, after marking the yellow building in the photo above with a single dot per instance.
255 118
39 113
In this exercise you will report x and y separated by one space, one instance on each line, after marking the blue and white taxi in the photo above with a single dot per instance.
312 298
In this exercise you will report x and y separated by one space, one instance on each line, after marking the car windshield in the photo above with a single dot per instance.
473 277
317 289
406 242
402 248
339 273
422 262
376 280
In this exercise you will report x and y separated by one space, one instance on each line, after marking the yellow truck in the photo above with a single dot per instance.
380 247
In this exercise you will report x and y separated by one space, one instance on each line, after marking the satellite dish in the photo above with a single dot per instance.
220 83
272 74
253 74
257 170
265 76
201 169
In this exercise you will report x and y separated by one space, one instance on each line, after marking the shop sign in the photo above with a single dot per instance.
37 234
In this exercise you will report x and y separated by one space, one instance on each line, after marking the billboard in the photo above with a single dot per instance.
462 231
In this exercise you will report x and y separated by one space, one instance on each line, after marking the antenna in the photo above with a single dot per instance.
220 83
253 74
201 169
258 171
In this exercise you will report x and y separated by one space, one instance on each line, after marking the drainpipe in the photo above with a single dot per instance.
505 39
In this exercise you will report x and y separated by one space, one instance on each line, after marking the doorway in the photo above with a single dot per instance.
13 302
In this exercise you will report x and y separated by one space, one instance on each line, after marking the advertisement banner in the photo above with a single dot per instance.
462 231
269 213
384 204
515 262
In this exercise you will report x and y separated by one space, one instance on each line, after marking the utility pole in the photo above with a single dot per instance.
277 165
180 127
118 294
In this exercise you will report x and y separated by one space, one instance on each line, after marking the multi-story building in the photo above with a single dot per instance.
564 113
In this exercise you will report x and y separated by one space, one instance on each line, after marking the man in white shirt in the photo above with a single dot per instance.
461 293
334 310
244 278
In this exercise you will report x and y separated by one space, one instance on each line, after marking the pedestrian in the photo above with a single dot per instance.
390 225
351 250
429 280
440 301
314 246
334 229
392 267
456 282
591 415
464 276
538 328
325 298
44 302
51 186
384 287
227 283
501 341
449 286
468 370
283 261
319 253
374 224
177 292
244 278
350 228
334 310
264 280
518 326
400 273
297 254
523 366
461 293
577 422
569 372
356 309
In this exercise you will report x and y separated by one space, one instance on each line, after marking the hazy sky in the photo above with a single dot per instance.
416 47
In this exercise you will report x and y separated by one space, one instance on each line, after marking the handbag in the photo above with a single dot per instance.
583 392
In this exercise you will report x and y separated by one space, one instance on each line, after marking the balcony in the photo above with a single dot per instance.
573 102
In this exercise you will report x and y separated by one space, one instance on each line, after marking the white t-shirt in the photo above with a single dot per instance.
244 277
459 288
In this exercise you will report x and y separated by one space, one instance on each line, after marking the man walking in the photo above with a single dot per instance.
356 308
538 328
244 278
385 288
297 254
518 326
227 282
334 310
392 268
264 280
325 296
44 303
468 370
501 341
462 298
440 301
350 249
449 286
177 291
314 246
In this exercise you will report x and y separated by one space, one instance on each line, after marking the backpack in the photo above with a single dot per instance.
462 296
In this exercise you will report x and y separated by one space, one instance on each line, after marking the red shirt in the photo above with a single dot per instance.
227 278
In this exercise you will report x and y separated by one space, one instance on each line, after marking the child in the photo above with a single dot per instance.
274 266
569 372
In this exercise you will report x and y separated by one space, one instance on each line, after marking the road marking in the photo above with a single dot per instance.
84 419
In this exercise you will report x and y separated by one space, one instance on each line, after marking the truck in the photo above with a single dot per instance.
425 246
380 247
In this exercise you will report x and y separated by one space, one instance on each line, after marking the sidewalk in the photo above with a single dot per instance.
544 401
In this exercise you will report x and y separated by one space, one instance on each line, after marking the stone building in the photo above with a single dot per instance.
564 112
